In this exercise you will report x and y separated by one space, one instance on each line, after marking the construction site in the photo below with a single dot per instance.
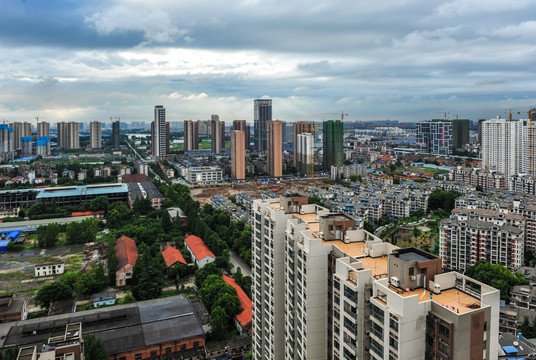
254 189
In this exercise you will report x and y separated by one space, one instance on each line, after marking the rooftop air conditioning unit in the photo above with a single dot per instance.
437 288
413 278
395 281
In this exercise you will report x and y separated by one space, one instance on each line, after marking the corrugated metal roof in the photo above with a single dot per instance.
81 191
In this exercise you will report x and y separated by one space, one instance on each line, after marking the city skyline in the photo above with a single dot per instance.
408 61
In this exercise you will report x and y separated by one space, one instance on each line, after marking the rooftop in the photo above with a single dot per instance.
172 255
245 316
52 192
355 249
377 265
453 299
126 252
198 247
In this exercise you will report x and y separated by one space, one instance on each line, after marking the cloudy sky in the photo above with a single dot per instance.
373 59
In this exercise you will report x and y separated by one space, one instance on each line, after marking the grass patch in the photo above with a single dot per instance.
12 274
75 259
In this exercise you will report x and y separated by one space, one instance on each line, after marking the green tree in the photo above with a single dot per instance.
82 232
142 206
112 262
526 329
441 199
249 355
47 235
52 292
99 203
128 298
204 272
219 323
497 276
167 225
11 353
94 348
353 178
316 200
147 277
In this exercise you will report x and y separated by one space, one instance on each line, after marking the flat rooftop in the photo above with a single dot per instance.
453 299
377 265
355 249
308 218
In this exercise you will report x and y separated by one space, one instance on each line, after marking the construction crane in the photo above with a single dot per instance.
444 113
342 114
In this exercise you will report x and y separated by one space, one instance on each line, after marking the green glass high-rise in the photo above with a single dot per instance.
333 143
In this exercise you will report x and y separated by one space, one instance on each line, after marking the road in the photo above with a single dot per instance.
34 224
239 263
142 159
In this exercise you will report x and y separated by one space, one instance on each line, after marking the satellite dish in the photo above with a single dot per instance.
516 343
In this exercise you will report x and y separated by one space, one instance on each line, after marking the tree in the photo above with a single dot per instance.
167 225
441 199
204 272
82 232
353 178
52 292
94 348
99 203
142 206
219 323
147 277
47 235
497 276
112 262
11 353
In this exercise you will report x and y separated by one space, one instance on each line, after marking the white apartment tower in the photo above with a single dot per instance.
95 134
304 153
506 148
324 290
159 133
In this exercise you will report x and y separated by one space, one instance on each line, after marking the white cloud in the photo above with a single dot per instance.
466 7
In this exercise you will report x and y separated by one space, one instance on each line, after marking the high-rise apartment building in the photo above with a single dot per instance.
435 137
68 135
217 128
116 132
42 146
95 135
7 143
43 129
191 135
304 153
323 289
238 154
506 147
20 129
262 114
159 133
298 128
242 126
460 133
472 235
333 133
26 145
274 157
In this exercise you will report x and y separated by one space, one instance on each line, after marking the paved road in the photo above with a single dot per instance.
34 224
239 263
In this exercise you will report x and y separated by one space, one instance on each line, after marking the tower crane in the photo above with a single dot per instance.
342 114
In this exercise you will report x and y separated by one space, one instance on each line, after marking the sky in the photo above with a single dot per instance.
407 60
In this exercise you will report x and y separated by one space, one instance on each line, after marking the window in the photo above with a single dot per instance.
183 347
393 343
153 352
443 330
196 344
168 351
444 349
137 356
393 324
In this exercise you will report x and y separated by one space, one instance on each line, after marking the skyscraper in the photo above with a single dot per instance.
275 148
460 133
20 129
68 135
191 135
333 132
95 135
159 133
7 143
262 114
506 148
242 126
217 133
435 137
238 154
43 129
304 154
298 128
116 131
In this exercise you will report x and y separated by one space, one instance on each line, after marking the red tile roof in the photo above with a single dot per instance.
198 247
83 213
244 318
134 178
125 251
172 255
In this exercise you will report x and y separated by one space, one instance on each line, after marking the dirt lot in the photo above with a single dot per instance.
204 194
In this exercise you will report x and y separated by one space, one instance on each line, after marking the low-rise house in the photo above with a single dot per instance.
201 254
13 308
242 320
103 298
49 269
176 214
172 256
127 254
